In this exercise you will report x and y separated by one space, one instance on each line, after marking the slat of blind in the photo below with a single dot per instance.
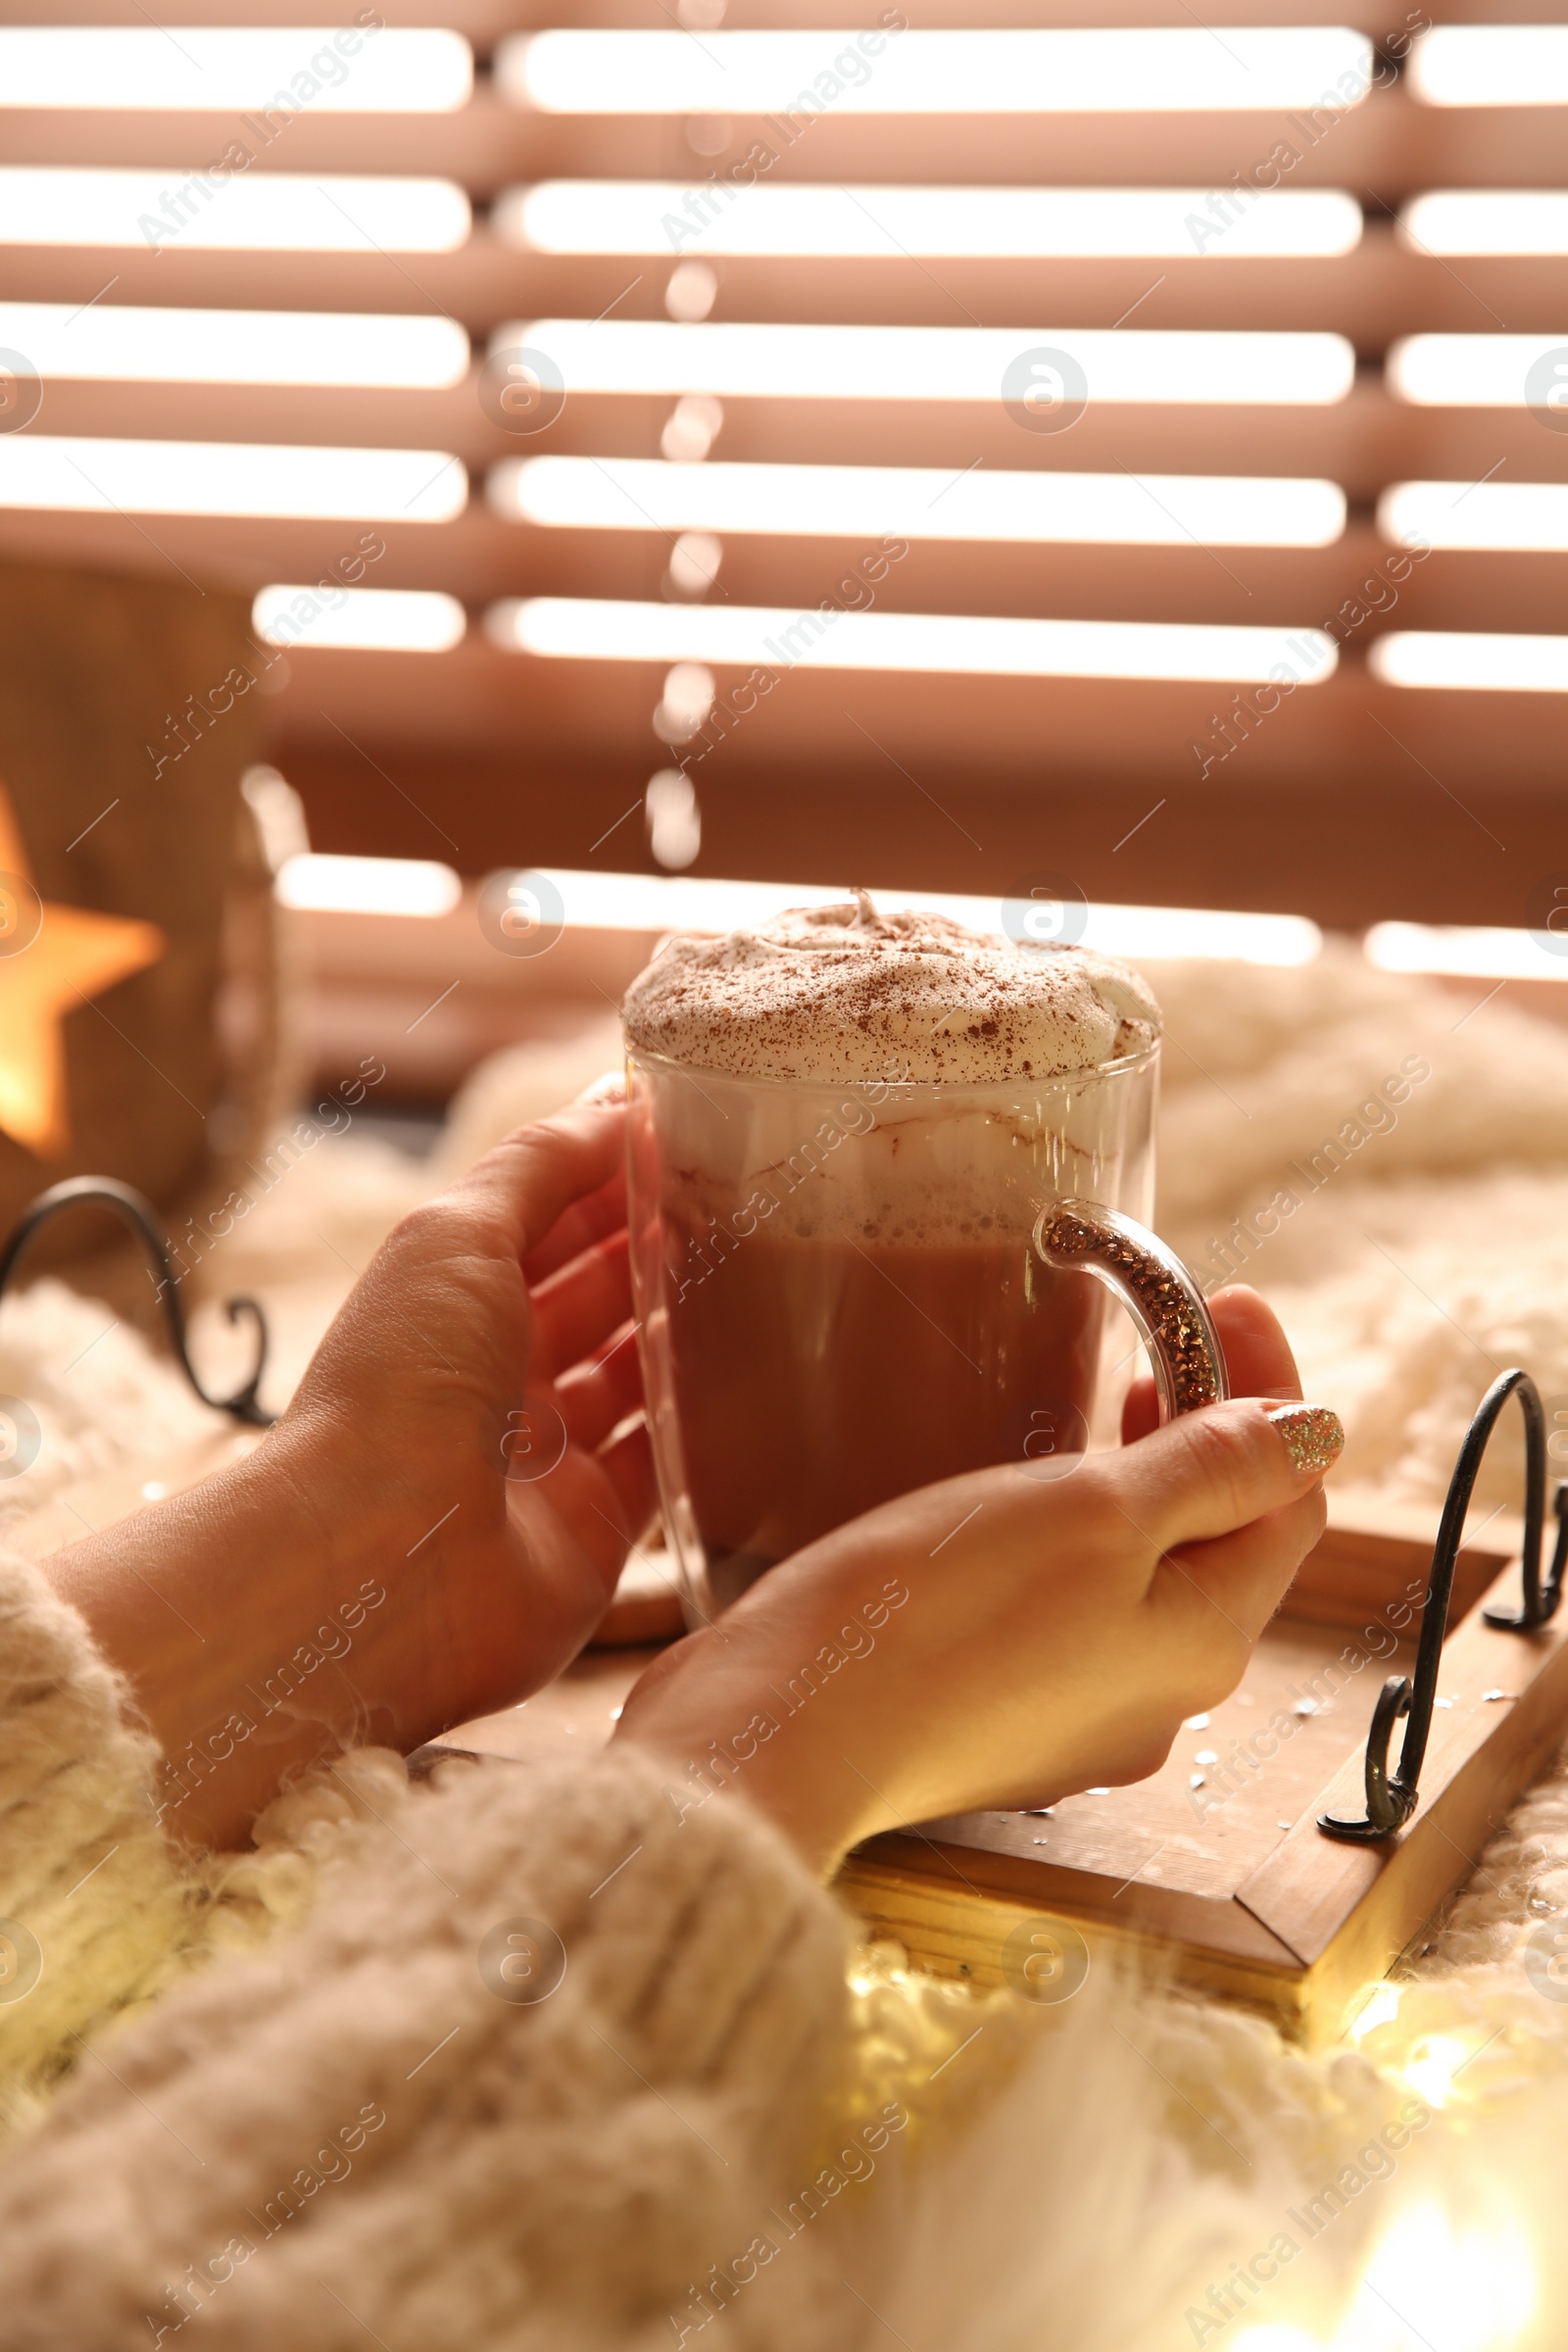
1469 589
1363 443
489 145
575 725
1372 295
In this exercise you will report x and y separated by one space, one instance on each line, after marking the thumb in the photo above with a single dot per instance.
1212 1471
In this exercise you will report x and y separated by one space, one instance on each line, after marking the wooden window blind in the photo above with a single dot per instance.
942 442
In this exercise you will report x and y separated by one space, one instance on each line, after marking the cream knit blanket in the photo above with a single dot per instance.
1128 2171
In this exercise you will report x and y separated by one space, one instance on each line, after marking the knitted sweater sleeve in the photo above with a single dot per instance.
92 1911
552 2060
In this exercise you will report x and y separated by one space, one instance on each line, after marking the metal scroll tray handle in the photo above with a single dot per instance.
140 1215
1391 1797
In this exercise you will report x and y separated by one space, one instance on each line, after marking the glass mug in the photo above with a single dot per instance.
845 1292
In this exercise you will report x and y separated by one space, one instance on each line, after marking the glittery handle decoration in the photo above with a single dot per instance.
1154 1286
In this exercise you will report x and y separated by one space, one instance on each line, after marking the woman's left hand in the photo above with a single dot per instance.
462 1396
452 1448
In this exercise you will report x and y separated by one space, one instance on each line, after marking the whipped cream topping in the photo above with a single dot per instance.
845 993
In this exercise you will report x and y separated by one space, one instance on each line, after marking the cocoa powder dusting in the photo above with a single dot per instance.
848 993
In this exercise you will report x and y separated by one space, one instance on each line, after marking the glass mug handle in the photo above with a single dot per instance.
1155 1289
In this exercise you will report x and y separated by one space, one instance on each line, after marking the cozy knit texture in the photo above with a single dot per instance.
82 1866
1090 2175
356 2121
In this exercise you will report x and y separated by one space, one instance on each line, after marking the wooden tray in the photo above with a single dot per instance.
1245 1896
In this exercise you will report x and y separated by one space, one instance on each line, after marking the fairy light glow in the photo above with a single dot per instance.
115 343
955 645
279 211
1383 2006
1161 510
879 224
1430 2280
1434 2064
1143 71
84 475
735 361
215 69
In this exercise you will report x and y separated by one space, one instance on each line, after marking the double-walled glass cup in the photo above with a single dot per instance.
840 1296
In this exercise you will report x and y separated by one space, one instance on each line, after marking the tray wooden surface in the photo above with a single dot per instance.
1248 1897
1244 1896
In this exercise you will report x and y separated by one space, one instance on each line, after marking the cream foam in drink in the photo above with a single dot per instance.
852 1122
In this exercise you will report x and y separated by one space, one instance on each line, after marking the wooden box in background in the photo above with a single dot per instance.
125 729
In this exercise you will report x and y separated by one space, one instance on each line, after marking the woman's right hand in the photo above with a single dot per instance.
996 1641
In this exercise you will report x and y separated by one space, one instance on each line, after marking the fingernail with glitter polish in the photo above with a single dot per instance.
1314 1435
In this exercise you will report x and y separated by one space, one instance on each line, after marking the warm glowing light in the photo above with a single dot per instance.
279 211
1487 221
1470 953
229 477
1383 2005
1450 657
1180 71
52 958
1491 65
1481 371
1434 2064
369 885
962 645
213 69
382 621
1430 2282
1518 515
936 363
830 501
113 342
667 216
651 902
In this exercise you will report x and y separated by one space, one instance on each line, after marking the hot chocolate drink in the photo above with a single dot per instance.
845 1127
